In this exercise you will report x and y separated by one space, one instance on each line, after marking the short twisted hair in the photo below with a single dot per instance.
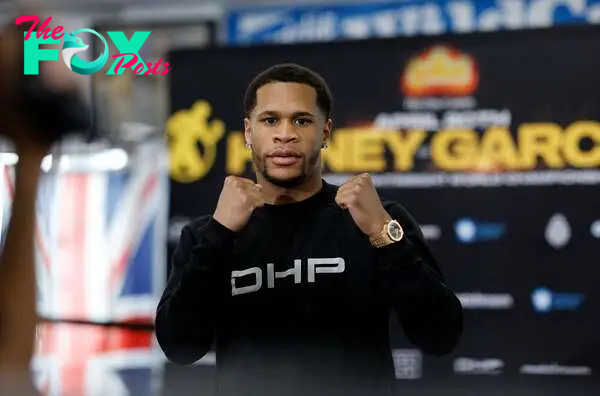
290 72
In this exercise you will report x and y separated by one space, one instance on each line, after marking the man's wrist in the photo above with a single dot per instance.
391 232
379 225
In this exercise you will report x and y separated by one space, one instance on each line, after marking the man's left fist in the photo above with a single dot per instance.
359 197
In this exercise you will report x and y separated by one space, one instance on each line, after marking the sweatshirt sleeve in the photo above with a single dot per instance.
186 314
429 312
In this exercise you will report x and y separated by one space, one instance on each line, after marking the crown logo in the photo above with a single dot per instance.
440 71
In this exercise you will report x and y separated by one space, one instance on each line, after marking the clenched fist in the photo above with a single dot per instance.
359 197
237 201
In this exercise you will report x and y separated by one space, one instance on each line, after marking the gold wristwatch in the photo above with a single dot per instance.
392 232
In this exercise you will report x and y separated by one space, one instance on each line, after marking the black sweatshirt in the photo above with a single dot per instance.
298 302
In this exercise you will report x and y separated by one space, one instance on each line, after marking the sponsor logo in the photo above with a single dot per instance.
187 131
465 365
470 231
555 369
440 70
408 364
595 229
558 231
545 300
478 300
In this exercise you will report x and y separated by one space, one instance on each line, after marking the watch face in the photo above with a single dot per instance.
395 230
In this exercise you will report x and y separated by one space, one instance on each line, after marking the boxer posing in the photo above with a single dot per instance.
294 279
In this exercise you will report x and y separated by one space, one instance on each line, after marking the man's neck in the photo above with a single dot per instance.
279 195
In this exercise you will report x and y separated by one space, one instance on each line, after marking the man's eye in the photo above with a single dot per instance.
303 122
269 120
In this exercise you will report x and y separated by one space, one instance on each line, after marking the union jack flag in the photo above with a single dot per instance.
101 240
90 360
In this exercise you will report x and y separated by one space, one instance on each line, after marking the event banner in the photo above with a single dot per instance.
392 18
492 142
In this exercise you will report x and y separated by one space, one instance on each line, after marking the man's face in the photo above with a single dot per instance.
286 131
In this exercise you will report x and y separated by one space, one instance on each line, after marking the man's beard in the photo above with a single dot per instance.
307 169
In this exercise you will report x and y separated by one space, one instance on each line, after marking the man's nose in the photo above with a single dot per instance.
286 133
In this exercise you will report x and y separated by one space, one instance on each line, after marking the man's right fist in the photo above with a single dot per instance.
238 199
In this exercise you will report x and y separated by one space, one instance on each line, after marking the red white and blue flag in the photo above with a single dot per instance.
101 239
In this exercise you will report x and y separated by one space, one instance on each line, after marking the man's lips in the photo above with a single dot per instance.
283 160
284 153
284 157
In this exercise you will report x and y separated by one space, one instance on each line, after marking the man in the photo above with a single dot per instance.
294 278
34 113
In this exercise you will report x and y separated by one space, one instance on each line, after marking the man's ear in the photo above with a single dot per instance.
248 131
327 130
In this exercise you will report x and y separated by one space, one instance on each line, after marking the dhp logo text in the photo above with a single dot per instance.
128 50
253 277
